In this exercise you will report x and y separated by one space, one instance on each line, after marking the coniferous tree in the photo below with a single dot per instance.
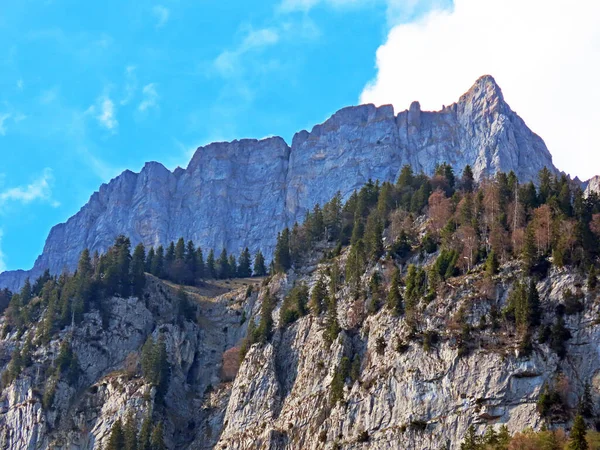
169 257
577 439
472 440
332 326
191 262
374 237
558 337
356 264
467 181
130 437
116 440
529 253
491 264
180 250
138 278
244 269
592 281
145 433
260 269
158 263
394 296
149 258
26 291
211 267
223 265
157 441
282 259
318 297
200 266
533 304
265 326
586 402
232 266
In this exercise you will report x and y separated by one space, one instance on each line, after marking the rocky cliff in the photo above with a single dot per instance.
404 393
242 193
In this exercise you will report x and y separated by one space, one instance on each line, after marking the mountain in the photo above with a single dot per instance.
405 319
241 193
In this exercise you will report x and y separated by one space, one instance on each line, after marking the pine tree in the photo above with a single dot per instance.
472 440
529 254
138 278
592 281
157 442
394 297
211 268
233 269
318 297
180 250
158 263
577 439
200 266
260 269
282 257
145 433
332 326
169 257
467 181
130 433
533 304
149 258
223 265
558 337
26 291
265 326
191 262
374 237
586 403
491 264
116 440
244 270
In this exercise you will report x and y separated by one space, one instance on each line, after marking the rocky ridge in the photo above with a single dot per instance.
241 193
403 397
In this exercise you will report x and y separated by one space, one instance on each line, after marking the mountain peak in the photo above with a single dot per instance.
486 88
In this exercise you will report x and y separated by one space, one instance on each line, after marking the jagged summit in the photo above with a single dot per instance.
241 193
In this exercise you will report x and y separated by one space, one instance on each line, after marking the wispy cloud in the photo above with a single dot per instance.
130 84
105 112
162 15
2 256
3 118
39 189
20 84
150 98
228 63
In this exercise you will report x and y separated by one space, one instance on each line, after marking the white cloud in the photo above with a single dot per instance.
228 63
39 189
2 257
20 84
3 118
150 98
306 5
544 54
130 84
107 114
162 15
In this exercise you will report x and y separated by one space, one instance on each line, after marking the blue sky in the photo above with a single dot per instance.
88 89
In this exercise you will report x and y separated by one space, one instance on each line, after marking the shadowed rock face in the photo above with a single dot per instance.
242 193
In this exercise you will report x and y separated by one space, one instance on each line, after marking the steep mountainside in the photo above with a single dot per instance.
241 193
412 316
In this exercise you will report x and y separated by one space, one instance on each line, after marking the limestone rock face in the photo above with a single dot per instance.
592 185
242 193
